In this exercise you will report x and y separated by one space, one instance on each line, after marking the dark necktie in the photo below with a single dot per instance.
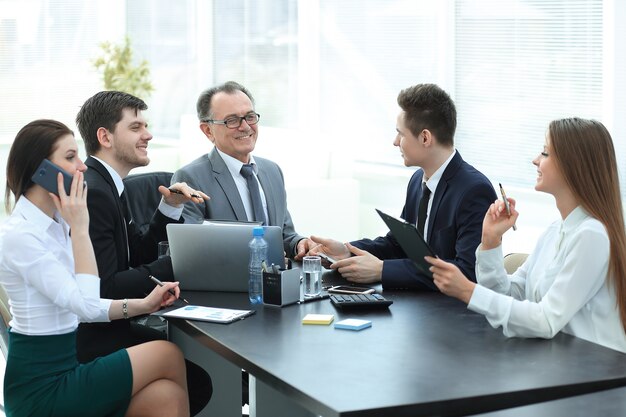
127 220
127 216
423 209
255 194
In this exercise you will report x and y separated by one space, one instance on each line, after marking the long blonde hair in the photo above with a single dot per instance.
586 157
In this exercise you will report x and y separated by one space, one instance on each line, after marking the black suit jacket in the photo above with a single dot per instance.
125 258
460 202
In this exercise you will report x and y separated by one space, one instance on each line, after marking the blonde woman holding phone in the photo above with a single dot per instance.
575 279
52 281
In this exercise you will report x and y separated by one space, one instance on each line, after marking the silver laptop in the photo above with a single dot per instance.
214 257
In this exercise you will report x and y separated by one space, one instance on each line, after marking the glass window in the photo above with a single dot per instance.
519 65
45 70
256 44
369 51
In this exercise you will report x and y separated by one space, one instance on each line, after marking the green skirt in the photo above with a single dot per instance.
43 378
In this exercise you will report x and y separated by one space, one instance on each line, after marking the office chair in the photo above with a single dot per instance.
143 197
512 261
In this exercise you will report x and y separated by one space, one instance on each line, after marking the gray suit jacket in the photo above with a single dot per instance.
211 175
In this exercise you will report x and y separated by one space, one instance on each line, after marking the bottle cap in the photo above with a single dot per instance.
258 231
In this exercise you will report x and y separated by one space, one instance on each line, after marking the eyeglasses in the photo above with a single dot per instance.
233 122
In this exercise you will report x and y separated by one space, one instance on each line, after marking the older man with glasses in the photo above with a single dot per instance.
242 187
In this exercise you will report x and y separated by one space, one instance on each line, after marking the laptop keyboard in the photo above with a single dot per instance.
359 300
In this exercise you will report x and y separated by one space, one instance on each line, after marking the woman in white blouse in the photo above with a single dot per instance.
52 281
575 279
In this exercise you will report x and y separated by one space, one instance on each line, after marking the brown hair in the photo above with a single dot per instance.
585 155
427 106
104 109
34 142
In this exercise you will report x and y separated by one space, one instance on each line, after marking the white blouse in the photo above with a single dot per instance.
37 272
563 285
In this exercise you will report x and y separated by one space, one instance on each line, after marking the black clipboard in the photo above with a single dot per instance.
411 241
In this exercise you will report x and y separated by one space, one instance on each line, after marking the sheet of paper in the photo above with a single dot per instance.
213 314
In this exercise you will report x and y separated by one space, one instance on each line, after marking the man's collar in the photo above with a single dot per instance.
117 179
436 177
234 165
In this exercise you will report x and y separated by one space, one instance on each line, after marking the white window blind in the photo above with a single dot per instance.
45 71
256 44
519 65
163 32
369 51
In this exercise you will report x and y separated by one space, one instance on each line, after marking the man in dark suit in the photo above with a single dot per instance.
228 119
453 203
116 139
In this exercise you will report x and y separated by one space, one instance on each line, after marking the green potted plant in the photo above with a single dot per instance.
120 73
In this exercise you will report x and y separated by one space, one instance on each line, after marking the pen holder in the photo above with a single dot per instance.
281 289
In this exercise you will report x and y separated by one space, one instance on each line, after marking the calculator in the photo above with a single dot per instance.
359 301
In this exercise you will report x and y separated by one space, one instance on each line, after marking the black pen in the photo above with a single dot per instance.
160 284
506 204
315 298
181 193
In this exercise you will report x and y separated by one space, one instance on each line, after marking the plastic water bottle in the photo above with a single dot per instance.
258 254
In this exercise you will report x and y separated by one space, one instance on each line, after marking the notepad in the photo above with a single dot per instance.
212 314
353 324
318 319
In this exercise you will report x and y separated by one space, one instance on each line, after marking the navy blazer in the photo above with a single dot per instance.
459 204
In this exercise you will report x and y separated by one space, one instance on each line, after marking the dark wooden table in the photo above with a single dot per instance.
426 355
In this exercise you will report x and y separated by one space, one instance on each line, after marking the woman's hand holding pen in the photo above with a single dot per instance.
161 297
496 222
158 297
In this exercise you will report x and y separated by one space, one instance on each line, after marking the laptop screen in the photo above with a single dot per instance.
215 256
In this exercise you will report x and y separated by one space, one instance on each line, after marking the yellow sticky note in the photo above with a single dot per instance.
318 319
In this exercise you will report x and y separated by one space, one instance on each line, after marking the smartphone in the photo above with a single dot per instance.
46 176
348 289
326 258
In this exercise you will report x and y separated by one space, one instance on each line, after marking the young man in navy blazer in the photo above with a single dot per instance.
458 200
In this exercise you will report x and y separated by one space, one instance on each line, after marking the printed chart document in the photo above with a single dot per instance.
212 314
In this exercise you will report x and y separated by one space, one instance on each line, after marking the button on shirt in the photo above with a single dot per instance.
37 271
563 286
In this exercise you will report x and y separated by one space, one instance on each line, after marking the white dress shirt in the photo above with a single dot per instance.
562 286
37 271
432 184
234 167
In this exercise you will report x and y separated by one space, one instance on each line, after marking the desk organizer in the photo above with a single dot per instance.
283 288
